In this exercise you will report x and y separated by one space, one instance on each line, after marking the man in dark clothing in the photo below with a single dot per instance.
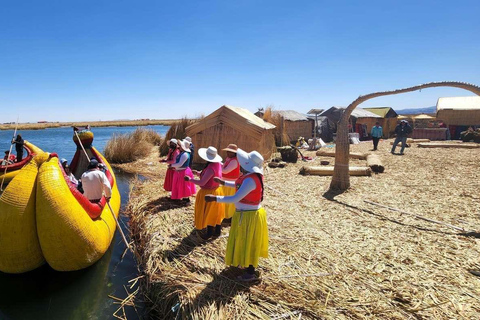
19 147
402 130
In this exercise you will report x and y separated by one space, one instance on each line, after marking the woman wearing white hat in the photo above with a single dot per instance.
248 238
230 172
180 187
173 152
209 215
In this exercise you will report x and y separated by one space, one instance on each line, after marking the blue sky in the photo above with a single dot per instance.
107 60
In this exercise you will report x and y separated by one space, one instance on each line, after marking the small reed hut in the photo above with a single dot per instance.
236 125
295 124
388 121
361 121
459 113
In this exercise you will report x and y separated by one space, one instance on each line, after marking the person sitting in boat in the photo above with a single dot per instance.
248 238
209 215
173 152
95 183
8 159
63 162
70 175
182 189
230 172
19 142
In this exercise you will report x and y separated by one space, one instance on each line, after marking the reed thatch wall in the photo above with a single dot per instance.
459 117
232 125
295 129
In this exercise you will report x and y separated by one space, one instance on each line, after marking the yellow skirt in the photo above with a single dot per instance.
229 207
208 213
248 238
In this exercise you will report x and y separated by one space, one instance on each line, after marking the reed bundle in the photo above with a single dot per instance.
123 148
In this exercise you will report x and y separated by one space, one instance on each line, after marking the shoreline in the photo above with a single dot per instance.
48 125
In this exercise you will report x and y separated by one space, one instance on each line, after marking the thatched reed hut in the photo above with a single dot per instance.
459 113
388 121
295 124
236 125
361 120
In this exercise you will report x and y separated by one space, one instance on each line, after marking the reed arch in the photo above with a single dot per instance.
341 178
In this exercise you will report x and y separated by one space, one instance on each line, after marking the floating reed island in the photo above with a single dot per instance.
396 245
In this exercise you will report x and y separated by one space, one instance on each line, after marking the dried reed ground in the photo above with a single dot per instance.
335 259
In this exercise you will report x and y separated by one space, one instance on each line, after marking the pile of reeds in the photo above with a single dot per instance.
128 147
281 136
177 131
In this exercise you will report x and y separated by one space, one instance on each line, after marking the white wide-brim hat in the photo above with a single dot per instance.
184 145
251 162
209 154
173 140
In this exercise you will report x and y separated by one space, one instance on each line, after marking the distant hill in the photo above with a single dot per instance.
417 110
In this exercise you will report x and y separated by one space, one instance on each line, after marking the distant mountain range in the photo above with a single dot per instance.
417 110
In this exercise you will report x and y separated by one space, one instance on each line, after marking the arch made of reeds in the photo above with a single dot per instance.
341 179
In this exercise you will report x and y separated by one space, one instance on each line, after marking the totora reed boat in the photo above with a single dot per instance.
44 218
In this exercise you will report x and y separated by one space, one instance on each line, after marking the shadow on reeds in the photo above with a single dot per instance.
330 194
471 234
382 217
186 246
222 289
165 203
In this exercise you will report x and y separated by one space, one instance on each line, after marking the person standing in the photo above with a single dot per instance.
209 215
95 183
192 151
248 238
19 142
402 130
173 152
230 173
377 133
181 188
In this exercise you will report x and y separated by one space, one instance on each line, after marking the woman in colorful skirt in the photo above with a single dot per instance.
181 188
209 215
248 238
173 152
230 173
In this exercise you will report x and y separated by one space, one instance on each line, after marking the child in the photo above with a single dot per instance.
248 238
209 215
230 173
180 187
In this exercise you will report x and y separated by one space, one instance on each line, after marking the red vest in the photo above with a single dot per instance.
255 196
235 173
216 167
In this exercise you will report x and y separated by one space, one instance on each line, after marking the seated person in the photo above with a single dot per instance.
64 162
95 183
70 175
9 158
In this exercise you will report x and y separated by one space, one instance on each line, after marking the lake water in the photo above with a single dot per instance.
48 294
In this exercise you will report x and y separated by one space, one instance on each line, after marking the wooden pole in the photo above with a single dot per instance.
119 227
11 146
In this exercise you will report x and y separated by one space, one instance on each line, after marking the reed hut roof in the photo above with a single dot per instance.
423 117
291 115
334 113
384 112
459 110
238 118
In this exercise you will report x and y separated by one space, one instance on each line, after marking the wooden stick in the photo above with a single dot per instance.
119 227
417 216
81 145
11 146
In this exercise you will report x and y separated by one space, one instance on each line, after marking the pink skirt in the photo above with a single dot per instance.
181 188
167 185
